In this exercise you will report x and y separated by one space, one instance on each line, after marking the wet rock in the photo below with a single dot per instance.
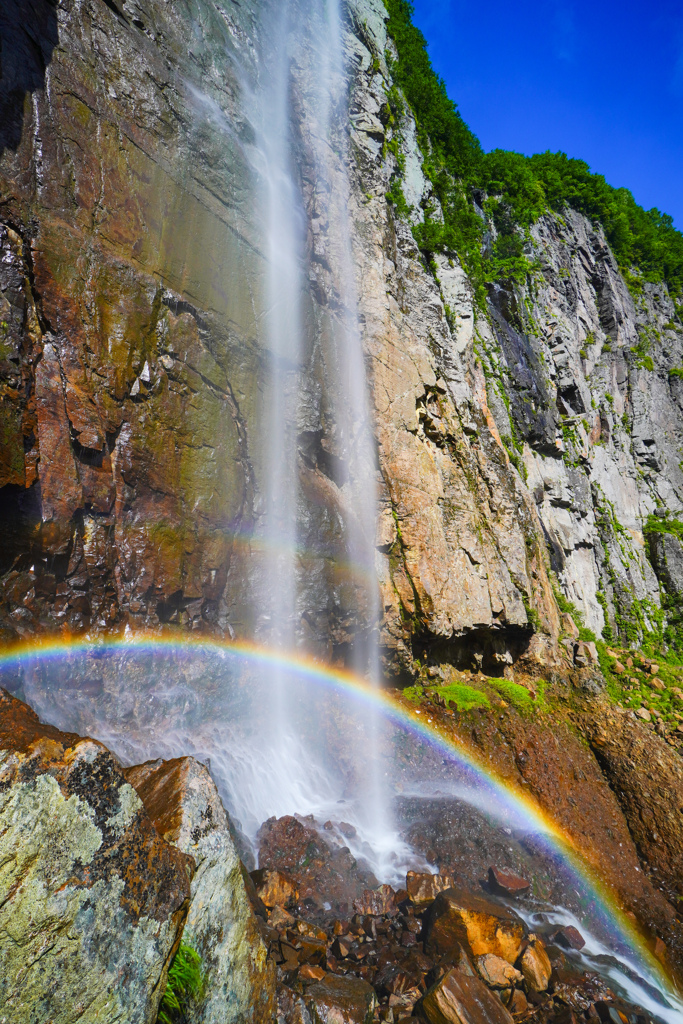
477 924
90 892
458 999
398 971
518 1003
535 966
505 883
275 888
308 972
341 1000
182 800
423 888
321 873
569 937
281 918
496 972
377 901
647 776
291 1008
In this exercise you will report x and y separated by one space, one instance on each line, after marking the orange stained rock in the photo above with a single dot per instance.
474 922
459 999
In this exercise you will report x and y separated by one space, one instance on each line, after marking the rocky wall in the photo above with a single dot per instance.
536 434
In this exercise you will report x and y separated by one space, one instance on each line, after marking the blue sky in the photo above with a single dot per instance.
601 80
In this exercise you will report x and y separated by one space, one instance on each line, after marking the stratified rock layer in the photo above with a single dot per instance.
92 899
182 800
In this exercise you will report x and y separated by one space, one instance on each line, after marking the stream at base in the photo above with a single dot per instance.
148 701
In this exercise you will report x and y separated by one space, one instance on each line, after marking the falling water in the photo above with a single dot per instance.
303 58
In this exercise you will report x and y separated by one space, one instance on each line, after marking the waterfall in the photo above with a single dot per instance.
299 113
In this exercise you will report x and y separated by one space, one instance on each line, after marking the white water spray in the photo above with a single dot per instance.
305 60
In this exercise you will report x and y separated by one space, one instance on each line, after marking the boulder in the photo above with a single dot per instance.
377 902
505 883
275 888
92 898
496 972
478 924
182 800
341 1000
535 966
569 937
423 888
459 999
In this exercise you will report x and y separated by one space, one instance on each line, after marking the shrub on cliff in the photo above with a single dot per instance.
518 188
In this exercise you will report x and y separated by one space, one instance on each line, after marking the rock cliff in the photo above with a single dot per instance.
535 433
93 899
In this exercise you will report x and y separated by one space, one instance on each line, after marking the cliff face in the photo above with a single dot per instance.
537 434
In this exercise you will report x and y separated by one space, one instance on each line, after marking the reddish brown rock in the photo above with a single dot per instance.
275 888
310 973
475 923
376 901
506 883
569 937
341 1000
320 872
518 1002
459 999
496 972
423 888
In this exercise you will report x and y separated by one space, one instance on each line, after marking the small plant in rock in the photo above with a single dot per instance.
185 984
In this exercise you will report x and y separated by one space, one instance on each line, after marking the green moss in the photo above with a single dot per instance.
464 697
676 371
517 695
185 983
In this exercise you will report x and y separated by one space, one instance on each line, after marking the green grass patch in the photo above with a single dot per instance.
464 697
518 695
634 694
185 983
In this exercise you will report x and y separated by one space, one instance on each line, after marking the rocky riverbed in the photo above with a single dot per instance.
108 870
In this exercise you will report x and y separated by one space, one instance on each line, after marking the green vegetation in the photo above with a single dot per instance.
185 983
567 606
676 371
656 525
515 189
518 695
464 697
633 688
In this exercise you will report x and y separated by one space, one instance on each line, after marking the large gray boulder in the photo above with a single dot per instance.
92 899
183 802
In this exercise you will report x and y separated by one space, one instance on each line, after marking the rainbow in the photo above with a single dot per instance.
411 719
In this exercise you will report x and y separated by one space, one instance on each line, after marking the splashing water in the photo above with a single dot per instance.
150 698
